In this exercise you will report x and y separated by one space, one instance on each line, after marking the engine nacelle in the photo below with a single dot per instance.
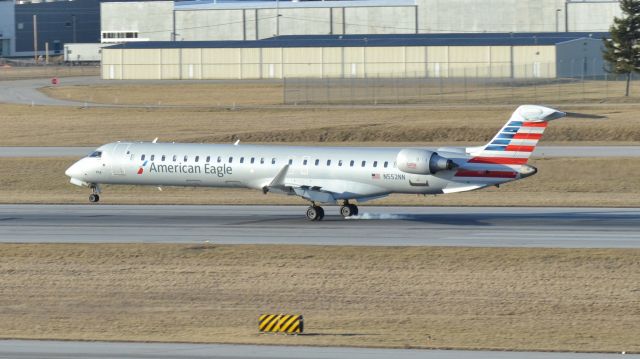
422 162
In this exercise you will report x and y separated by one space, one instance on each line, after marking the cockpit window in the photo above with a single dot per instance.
96 154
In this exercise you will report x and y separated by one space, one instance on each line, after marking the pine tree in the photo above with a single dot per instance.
622 50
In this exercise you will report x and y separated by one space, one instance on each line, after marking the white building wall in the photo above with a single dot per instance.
153 20
592 16
7 28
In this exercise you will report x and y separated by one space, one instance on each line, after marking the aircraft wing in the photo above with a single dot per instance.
322 191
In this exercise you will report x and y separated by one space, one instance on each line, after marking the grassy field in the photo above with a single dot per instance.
602 182
336 91
36 72
23 125
515 299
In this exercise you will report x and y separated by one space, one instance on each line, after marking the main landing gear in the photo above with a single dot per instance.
316 213
94 196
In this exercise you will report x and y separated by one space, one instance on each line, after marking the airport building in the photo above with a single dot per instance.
209 20
28 27
503 55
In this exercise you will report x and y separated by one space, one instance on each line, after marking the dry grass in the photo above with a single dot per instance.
35 72
522 299
178 93
601 182
454 91
24 125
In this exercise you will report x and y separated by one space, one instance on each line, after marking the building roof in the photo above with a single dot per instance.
272 4
378 40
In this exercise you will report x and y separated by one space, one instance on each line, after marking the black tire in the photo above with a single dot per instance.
354 209
312 213
346 211
320 213
94 198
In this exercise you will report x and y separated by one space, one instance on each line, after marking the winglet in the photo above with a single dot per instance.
278 180
155 140
237 142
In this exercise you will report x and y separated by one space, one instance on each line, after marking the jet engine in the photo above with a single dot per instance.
422 162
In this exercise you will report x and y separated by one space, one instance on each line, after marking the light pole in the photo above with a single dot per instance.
73 24
277 18
557 21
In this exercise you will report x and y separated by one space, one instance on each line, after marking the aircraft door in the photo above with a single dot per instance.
119 159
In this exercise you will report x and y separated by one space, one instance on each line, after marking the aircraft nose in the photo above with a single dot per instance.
74 171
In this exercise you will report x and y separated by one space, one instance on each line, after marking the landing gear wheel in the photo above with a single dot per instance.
346 211
315 213
94 198
354 209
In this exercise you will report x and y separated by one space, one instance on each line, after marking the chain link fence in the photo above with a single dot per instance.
466 88
21 69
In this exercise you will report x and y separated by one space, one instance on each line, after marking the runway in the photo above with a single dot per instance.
24 349
375 226
541 151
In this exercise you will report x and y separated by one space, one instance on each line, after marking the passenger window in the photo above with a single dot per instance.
142 158
253 159
197 158
339 163
219 159
364 163
375 163
175 158
328 162
273 161
208 159
163 158
351 163
261 160
290 161
304 163
241 159
153 157
230 159
386 164
185 158
317 161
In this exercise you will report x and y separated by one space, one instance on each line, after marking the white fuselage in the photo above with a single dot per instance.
322 174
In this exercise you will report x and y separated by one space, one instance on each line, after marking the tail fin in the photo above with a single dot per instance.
518 138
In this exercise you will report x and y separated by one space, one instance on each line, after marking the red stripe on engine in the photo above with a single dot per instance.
527 136
534 124
499 160
520 148
486 174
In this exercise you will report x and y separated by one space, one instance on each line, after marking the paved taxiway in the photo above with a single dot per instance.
378 226
93 350
541 151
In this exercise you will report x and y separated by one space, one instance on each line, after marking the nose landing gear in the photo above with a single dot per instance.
94 196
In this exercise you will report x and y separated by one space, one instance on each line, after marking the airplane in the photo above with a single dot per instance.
321 175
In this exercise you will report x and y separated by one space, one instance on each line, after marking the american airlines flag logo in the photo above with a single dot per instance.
375 176
141 169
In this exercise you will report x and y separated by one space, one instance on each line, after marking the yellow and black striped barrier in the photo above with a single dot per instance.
281 323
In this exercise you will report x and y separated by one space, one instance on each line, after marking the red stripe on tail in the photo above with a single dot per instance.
527 136
520 148
534 124
499 160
